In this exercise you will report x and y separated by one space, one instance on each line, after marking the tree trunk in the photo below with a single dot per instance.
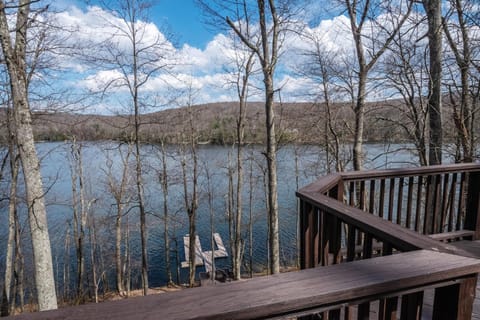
15 60
230 213
191 203
359 121
250 219
166 235
19 270
272 177
118 250
12 208
242 89
463 118
66 265
433 10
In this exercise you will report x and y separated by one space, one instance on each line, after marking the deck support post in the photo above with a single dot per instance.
455 301
472 218
306 237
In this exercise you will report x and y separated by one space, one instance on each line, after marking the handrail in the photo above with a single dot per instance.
434 199
407 172
305 292
325 183
383 230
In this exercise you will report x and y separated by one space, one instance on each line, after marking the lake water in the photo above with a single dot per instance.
215 160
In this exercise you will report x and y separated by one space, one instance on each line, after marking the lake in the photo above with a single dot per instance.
295 163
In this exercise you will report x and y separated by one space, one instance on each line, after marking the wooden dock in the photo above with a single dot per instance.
204 258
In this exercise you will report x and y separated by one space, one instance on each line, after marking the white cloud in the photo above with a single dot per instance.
202 71
112 79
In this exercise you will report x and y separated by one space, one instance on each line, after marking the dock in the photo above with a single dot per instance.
204 258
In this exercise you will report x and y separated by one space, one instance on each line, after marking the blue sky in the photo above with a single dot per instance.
184 19
201 59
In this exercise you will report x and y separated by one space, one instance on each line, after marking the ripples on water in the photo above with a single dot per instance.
311 164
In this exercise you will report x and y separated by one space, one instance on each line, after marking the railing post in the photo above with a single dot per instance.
455 301
472 216
412 306
306 211
388 309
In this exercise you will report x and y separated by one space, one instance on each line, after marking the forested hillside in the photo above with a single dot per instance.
215 123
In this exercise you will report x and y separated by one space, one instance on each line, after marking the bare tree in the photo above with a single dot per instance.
458 38
138 63
163 178
244 65
266 46
369 48
190 193
406 73
14 52
261 26
7 300
321 66
433 9
119 188
80 214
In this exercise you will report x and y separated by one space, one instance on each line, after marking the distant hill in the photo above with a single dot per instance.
216 123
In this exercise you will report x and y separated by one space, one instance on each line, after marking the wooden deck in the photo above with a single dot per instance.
298 293
347 217
473 247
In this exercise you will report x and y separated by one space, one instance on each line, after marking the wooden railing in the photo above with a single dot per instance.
332 290
361 215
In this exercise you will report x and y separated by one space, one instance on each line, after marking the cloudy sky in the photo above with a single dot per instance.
199 58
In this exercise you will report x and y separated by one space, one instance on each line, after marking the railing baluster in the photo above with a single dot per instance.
371 201
305 235
391 199
418 207
351 245
451 212
351 195
400 201
436 204
461 201
387 249
408 221
315 229
412 306
336 240
381 204
472 218
428 217
323 237
388 309
367 246
363 312
444 206
362 195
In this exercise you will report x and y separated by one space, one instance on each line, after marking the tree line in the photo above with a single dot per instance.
422 54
